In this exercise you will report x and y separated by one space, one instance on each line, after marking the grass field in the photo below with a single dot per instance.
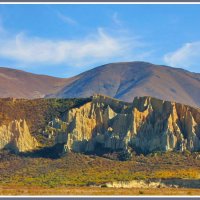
75 174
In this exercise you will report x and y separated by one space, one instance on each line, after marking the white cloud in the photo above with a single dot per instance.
186 56
66 19
94 48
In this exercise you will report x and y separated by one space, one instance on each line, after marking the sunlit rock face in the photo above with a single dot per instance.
146 125
16 136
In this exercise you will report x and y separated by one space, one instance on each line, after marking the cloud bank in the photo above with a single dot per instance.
186 56
93 48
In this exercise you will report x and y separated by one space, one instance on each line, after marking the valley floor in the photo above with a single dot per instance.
78 174
87 191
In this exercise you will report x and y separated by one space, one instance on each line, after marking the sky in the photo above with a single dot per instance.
65 40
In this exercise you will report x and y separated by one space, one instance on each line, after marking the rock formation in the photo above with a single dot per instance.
146 125
103 124
16 137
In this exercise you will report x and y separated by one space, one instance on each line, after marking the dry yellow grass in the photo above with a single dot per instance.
87 191
193 173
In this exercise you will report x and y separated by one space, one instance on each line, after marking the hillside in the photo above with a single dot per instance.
127 80
98 125
144 126
55 144
123 81
20 84
24 121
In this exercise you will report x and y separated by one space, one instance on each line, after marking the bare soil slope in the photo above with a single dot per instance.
20 84
127 80
119 80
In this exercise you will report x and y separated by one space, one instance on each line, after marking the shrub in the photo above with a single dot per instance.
125 155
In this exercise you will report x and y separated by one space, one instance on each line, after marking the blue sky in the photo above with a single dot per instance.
65 40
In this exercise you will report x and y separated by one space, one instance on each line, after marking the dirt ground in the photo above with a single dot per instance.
87 191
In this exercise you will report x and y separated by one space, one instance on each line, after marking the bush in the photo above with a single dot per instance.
125 155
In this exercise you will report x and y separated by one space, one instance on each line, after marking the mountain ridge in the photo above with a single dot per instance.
123 80
21 84
127 80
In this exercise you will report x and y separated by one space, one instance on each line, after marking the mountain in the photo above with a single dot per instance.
20 84
98 125
123 81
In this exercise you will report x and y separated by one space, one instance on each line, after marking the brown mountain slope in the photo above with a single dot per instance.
128 80
20 84
119 80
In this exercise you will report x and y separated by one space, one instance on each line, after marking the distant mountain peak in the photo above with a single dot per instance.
122 80
126 80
